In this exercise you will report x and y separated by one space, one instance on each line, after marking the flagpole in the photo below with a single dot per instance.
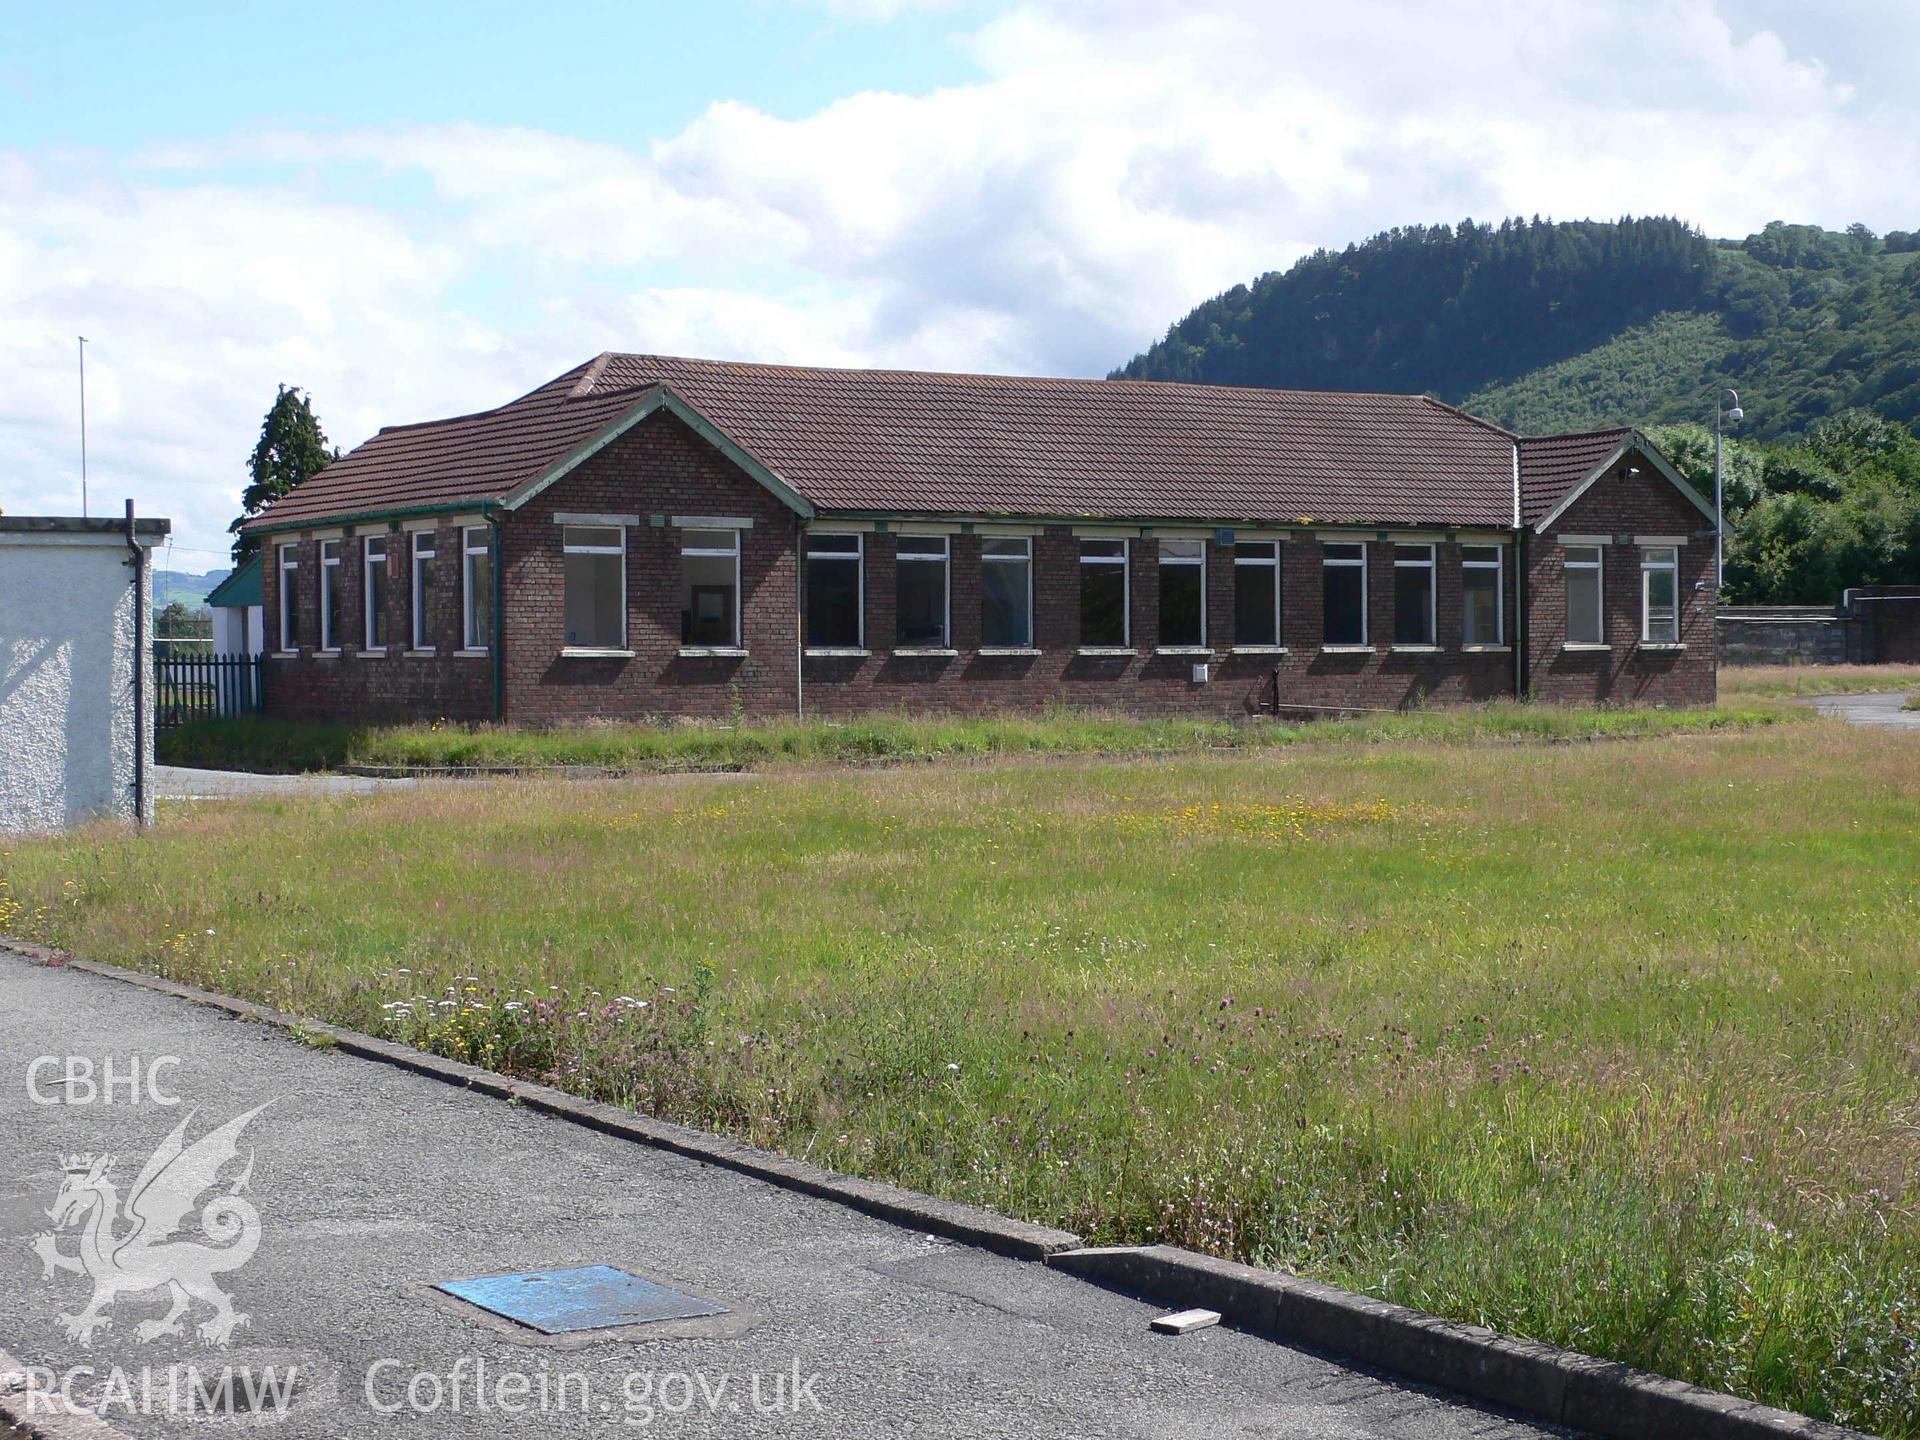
83 425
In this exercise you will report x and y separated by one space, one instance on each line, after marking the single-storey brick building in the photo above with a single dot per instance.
648 536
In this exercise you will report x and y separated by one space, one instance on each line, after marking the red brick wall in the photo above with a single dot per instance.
662 469
1146 681
1626 672
358 685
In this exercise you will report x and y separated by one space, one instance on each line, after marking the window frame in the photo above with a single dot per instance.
1024 558
945 560
480 644
1498 565
857 557
1328 561
289 561
1407 556
1649 567
699 647
420 623
1597 566
568 548
329 587
372 608
1125 561
1184 562
1271 561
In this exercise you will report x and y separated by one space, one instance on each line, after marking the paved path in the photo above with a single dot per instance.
1879 709
371 1182
182 782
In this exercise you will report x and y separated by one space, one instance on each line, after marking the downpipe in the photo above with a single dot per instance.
139 564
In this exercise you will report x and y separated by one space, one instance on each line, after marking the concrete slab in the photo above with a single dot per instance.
370 1183
1882 709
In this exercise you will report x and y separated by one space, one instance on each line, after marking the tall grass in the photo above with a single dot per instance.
1613 1046
279 745
1746 683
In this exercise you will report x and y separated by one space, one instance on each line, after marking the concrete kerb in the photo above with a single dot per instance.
1562 1386
1598 1396
45 1414
948 1219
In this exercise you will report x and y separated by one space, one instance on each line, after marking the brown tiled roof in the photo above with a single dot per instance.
905 442
1553 466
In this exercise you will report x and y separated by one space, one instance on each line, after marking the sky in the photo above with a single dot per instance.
422 208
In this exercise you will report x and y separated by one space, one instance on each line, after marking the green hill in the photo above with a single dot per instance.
1545 326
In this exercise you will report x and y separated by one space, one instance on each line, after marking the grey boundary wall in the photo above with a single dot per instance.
1873 625
1601 1397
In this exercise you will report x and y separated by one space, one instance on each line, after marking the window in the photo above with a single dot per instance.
1183 594
836 593
1413 609
920 593
1585 622
423 550
1103 595
595 558
1344 594
1482 615
373 587
1660 595
329 594
476 589
1006 594
710 588
289 597
1256 593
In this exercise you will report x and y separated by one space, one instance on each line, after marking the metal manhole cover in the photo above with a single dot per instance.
589 1297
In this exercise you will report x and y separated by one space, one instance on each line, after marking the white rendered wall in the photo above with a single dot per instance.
66 680
237 630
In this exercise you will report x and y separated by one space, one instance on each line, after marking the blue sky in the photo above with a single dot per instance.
419 208
125 75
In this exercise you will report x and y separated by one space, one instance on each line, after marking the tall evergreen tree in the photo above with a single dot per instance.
292 449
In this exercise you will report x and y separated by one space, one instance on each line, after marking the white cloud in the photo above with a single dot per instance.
1112 164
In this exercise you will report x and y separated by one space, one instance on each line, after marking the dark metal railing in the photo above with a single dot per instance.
192 687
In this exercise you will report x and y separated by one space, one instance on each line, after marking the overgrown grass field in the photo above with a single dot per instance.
1616 1046
1745 683
297 746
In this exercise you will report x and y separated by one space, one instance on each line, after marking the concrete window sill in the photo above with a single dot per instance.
1487 649
372 654
1416 649
713 652
326 654
836 652
995 650
425 654
1346 649
594 652
473 654
1583 647
934 652
1260 650
1663 646
286 655
1098 650
1194 650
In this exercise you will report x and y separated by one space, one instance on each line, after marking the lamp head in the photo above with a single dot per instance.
1736 414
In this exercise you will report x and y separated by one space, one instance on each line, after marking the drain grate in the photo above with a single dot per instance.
589 1297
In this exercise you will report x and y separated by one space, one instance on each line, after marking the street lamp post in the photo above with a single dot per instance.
1721 412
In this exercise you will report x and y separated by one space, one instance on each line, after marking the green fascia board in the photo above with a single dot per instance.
242 588
400 512
664 398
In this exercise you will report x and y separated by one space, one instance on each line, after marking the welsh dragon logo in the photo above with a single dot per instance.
130 1251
